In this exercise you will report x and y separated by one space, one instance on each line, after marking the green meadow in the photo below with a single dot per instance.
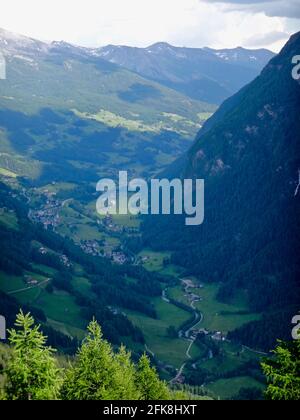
170 351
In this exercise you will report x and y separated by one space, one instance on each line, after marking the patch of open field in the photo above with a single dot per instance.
9 219
83 286
7 173
66 329
228 388
170 351
127 221
154 261
10 283
218 316
61 307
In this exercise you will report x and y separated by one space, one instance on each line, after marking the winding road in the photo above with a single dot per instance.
185 334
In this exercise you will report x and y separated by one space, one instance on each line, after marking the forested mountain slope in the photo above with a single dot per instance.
249 156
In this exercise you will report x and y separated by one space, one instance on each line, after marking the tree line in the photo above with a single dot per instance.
97 372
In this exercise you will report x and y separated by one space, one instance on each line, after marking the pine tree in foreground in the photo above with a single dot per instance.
32 372
126 375
283 372
150 386
99 374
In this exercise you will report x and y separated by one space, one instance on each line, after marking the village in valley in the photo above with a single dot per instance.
48 214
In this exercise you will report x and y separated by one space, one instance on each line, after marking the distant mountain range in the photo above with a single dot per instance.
201 73
148 114
104 109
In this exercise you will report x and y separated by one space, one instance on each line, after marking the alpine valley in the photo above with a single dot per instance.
206 303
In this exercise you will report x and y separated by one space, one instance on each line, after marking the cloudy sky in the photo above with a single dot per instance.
193 23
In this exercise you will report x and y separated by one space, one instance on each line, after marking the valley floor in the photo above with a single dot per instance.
181 357
187 340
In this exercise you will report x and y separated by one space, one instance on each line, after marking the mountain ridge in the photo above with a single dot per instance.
205 74
201 73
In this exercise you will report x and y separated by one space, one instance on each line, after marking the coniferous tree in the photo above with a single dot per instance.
283 372
31 372
99 374
126 374
150 386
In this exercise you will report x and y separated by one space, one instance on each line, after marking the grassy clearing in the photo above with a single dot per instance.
66 329
79 229
163 121
224 364
61 307
7 173
17 287
155 261
86 232
78 225
9 219
28 296
83 286
178 294
45 269
10 283
218 316
56 187
228 388
229 360
172 270
170 351
113 120
14 165
127 221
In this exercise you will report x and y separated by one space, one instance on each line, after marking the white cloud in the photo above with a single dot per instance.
269 38
140 22
280 8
